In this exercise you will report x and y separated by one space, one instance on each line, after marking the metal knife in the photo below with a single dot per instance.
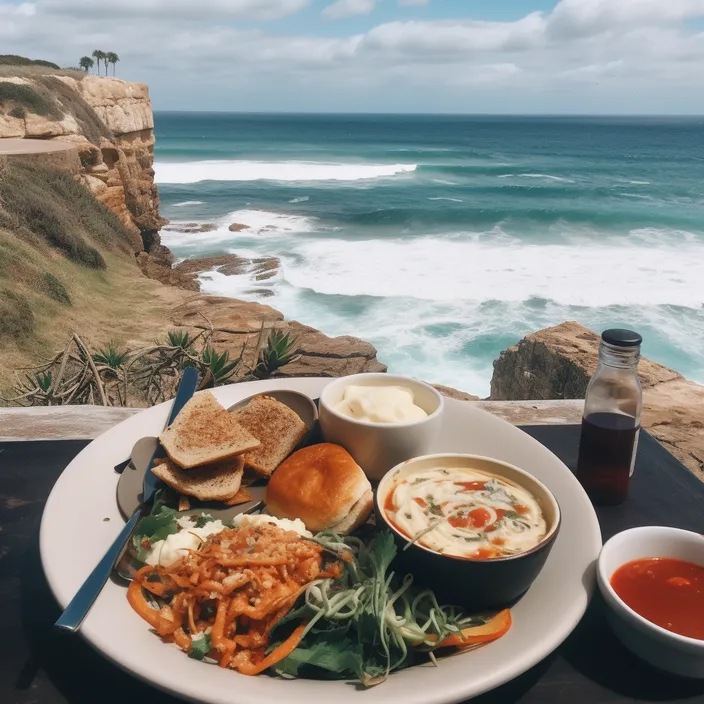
79 606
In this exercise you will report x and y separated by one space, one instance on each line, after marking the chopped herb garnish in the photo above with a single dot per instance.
408 516
432 506
419 480
203 519
200 646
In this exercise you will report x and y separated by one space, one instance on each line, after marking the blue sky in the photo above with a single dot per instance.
471 56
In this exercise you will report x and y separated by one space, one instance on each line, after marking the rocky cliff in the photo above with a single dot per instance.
45 277
557 363
110 121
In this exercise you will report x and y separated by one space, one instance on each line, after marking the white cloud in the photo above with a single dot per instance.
624 52
342 9
203 10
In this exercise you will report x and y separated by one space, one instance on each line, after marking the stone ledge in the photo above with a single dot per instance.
87 422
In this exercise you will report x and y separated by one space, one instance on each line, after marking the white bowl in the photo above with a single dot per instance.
658 646
377 447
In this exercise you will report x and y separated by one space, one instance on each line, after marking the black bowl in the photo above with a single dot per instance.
477 584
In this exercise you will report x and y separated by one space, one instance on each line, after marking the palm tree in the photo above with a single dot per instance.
99 56
112 58
86 63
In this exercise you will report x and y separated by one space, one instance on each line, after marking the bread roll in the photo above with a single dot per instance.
323 486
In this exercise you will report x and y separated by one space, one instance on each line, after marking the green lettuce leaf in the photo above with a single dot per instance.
158 525
342 658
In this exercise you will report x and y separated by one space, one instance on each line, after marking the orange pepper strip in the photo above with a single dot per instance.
492 630
139 603
276 655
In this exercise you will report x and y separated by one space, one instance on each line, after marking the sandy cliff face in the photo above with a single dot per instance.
111 123
557 363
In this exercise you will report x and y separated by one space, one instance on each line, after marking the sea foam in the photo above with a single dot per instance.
197 171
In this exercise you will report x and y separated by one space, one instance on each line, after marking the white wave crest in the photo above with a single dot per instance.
601 274
257 223
197 171
546 177
443 182
302 199
187 203
454 200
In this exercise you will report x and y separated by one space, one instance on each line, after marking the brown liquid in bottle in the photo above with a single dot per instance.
605 456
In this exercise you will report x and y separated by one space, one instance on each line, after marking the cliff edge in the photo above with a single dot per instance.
79 234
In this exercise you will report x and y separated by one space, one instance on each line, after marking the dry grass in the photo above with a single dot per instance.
92 127
24 97
55 209
14 60
14 71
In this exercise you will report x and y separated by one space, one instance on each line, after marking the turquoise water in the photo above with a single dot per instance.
443 240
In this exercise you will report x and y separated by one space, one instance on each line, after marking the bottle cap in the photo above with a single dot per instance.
621 338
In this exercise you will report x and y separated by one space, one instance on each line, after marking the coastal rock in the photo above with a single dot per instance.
165 274
558 362
259 268
192 227
238 227
237 323
449 392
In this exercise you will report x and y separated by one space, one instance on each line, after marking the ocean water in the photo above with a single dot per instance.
445 239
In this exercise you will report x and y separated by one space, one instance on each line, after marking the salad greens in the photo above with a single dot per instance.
158 525
364 624
367 623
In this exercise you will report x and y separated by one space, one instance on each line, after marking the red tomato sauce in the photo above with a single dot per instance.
667 592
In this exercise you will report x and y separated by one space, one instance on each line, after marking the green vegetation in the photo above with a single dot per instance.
277 352
92 127
112 58
53 208
55 289
123 377
14 60
16 317
31 98
101 57
19 112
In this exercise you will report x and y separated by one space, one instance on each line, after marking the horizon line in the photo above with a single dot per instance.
429 114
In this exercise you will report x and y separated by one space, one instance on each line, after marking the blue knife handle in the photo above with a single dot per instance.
78 608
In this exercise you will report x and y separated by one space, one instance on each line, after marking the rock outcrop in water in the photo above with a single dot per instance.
557 363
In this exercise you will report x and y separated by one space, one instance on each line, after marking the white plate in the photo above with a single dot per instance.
75 534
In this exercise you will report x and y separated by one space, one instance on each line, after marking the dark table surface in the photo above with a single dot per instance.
41 666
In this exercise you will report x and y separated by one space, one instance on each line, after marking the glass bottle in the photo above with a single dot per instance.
611 420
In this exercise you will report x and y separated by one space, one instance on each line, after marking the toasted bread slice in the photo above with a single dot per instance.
204 432
241 497
217 482
278 429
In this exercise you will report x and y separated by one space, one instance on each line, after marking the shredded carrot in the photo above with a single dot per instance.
237 587
276 655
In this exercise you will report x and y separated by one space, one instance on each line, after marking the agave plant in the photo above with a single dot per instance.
217 368
110 357
181 339
278 351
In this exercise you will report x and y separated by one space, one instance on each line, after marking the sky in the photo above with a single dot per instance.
427 56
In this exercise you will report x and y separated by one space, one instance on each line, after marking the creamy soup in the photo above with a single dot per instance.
466 513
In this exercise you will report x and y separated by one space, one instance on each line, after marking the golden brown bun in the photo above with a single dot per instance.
321 485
